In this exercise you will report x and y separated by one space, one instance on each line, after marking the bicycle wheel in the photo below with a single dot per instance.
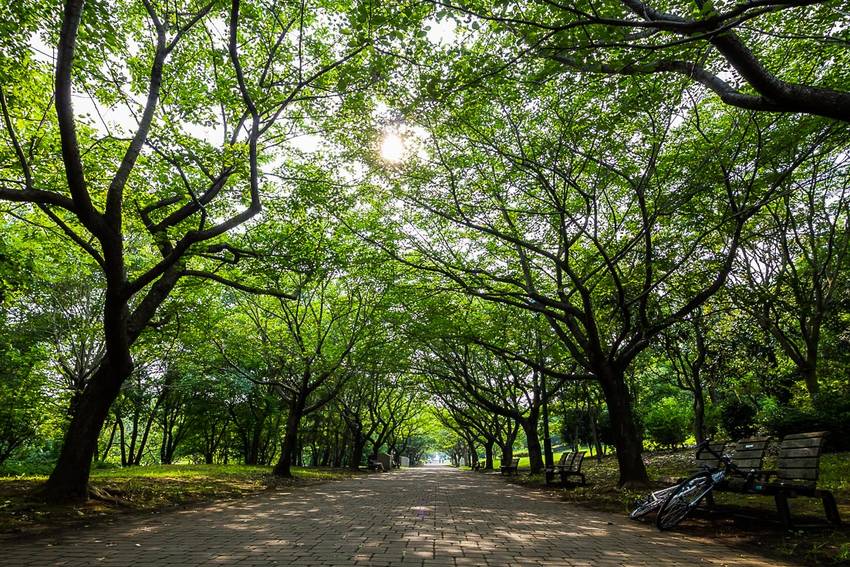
644 507
680 502
651 502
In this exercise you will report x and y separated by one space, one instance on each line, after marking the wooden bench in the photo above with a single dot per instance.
550 472
572 467
513 467
707 459
748 455
797 475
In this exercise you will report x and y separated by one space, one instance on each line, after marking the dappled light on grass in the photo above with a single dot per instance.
145 488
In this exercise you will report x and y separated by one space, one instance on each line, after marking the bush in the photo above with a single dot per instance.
738 418
21 412
713 420
668 422
829 413
575 427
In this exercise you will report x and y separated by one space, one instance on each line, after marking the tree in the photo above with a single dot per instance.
466 373
793 273
24 398
73 307
186 193
536 208
304 349
686 349
22 391
758 56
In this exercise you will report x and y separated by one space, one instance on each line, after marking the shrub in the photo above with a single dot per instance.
575 427
668 422
829 413
738 418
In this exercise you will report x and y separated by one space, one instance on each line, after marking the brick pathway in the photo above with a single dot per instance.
432 516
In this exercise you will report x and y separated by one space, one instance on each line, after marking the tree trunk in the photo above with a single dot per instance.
357 451
252 456
547 441
488 455
626 438
699 411
69 479
471 453
122 441
508 446
594 429
109 443
131 452
535 453
810 375
289 448
144 441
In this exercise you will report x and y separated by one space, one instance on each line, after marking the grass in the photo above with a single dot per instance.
733 520
141 489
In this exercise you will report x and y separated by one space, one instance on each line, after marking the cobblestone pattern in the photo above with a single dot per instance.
429 517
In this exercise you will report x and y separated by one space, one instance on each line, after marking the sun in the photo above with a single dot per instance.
392 148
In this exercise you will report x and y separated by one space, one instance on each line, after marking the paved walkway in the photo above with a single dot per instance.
432 516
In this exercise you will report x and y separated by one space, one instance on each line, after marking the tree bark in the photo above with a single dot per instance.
626 438
357 452
109 442
810 374
699 411
488 455
289 448
69 479
547 440
535 452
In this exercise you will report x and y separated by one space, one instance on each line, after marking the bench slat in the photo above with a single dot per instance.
819 434
750 445
749 454
786 453
802 443
748 463
797 474
799 463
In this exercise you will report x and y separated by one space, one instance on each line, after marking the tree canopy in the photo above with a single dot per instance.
293 233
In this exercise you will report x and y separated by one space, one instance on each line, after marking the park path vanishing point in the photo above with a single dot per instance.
430 516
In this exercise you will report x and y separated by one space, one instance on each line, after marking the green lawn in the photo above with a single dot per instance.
142 489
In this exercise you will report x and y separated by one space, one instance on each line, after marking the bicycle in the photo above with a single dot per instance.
689 493
651 502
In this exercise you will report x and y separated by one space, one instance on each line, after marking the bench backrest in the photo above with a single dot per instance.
707 459
564 459
575 466
749 453
799 458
